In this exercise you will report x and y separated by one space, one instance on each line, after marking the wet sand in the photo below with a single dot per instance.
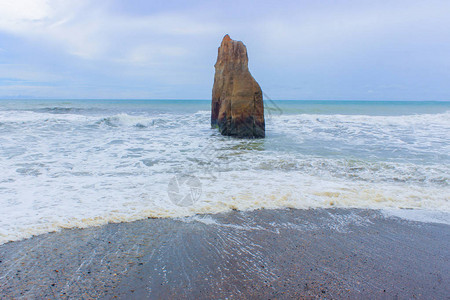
265 254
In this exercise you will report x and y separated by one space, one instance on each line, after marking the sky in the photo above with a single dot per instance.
152 49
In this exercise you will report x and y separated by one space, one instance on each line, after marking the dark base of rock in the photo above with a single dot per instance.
247 129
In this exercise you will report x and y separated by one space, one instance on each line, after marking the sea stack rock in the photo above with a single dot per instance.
237 101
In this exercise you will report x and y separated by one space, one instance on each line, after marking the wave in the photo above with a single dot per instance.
73 113
359 170
136 121
23 117
83 202
203 112
158 121
396 120
61 110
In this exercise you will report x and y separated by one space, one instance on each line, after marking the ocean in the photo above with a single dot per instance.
81 163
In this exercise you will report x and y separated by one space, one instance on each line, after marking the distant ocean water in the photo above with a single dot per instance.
80 163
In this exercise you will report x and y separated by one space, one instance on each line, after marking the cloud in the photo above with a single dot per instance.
14 13
359 26
301 49
90 30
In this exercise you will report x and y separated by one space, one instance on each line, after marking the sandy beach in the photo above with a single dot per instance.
266 254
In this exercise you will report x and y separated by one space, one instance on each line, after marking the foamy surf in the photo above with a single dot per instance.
88 166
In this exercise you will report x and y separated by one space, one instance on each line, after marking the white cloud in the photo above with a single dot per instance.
345 28
13 13
89 30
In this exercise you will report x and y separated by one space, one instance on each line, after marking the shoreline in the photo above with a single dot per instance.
326 253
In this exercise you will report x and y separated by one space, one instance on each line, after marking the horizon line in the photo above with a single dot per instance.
178 99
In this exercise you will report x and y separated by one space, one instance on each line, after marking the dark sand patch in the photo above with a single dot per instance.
325 253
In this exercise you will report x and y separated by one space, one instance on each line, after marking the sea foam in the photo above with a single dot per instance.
65 168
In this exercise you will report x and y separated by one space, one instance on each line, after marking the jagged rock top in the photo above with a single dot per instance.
232 54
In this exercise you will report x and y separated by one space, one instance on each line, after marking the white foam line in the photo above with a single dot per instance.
417 215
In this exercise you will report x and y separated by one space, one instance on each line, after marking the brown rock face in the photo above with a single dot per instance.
237 101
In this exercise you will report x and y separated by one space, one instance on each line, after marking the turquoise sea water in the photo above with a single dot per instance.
68 163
